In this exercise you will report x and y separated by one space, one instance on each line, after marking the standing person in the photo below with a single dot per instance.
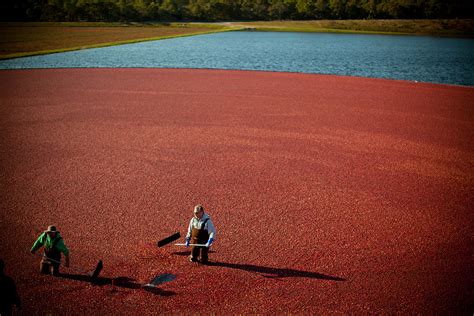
201 230
8 294
53 246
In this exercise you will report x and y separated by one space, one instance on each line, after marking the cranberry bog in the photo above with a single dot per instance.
30 38
329 194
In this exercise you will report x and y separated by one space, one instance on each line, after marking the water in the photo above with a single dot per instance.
418 58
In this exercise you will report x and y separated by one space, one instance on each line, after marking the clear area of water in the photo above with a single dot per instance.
417 58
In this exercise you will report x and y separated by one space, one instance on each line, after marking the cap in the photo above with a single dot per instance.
198 208
51 229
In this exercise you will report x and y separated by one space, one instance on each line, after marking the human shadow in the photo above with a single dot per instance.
120 282
276 273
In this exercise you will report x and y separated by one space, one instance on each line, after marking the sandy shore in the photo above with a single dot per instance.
329 194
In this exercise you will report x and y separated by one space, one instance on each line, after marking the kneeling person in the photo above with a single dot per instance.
53 246
201 230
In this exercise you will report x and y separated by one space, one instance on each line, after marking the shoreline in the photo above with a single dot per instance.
321 26
107 44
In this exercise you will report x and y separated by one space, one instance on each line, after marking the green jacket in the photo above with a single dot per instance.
46 241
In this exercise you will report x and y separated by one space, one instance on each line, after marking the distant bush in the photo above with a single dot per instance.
230 10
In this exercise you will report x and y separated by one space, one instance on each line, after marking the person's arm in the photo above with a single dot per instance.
188 234
62 248
38 243
211 231
190 229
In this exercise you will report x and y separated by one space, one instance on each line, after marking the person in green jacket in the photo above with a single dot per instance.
53 245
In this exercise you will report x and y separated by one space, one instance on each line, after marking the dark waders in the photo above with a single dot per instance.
200 236
47 266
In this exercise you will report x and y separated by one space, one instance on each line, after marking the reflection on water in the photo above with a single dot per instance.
420 58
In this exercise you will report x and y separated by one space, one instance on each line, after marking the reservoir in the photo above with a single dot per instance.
414 58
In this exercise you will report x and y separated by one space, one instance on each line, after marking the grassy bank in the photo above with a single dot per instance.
453 28
27 39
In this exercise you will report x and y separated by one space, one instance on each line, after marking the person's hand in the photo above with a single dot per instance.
209 242
187 242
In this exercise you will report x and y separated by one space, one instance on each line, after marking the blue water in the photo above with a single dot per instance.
418 58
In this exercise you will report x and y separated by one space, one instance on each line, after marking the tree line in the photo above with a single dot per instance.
230 10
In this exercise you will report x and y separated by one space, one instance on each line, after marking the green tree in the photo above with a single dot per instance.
126 10
369 8
169 9
219 10
337 8
321 9
32 9
199 9
211 10
246 10
434 9
51 12
260 10
305 8
277 9
353 9
141 7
